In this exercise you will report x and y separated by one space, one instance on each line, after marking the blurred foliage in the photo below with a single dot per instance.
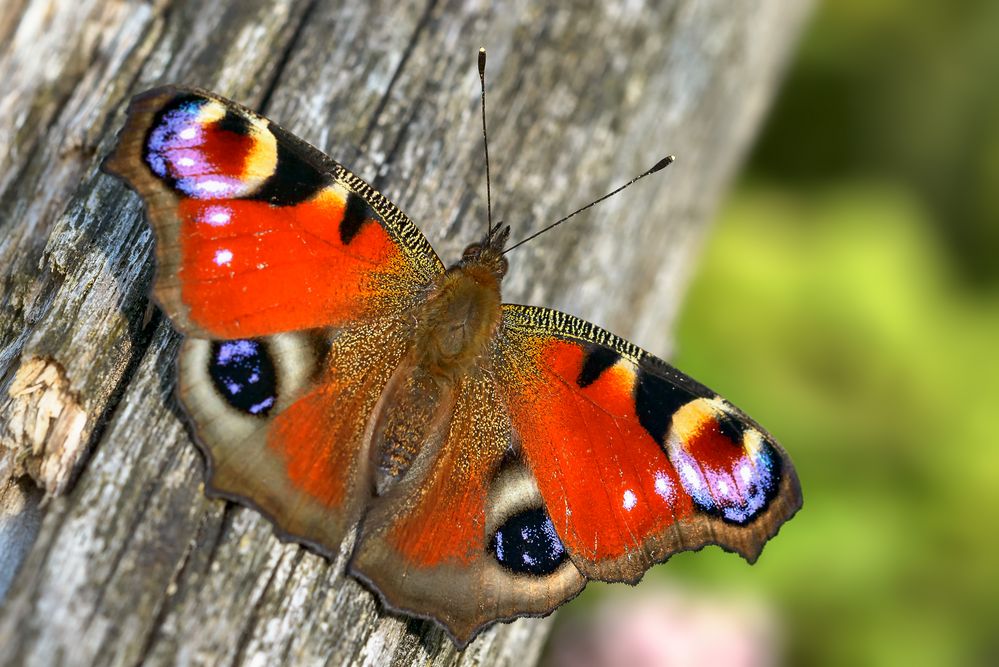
903 92
847 299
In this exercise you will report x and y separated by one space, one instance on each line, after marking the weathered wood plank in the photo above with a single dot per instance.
132 564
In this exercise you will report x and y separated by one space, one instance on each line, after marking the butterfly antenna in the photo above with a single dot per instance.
485 139
662 164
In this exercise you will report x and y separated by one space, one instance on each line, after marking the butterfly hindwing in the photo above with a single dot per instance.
258 232
635 461
464 537
283 422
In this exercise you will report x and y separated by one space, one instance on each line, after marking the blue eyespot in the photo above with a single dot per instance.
184 150
243 374
738 491
527 544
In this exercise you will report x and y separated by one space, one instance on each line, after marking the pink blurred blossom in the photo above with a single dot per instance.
670 627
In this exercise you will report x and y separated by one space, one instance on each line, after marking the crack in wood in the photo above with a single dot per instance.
145 499
403 60
172 591
285 57
243 644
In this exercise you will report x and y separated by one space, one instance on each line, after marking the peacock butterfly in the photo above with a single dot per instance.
490 458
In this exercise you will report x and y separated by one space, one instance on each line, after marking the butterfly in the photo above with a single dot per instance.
487 458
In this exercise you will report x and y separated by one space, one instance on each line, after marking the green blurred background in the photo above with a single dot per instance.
848 298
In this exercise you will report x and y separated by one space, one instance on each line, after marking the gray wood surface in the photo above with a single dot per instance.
126 561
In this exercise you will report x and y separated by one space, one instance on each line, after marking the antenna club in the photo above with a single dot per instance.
482 61
662 164
665 162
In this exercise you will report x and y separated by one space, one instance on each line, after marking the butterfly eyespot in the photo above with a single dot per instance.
726 467
526 543
205 151
243 374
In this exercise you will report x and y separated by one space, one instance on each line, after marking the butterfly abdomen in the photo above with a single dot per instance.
414 412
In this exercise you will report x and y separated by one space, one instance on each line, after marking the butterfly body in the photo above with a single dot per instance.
460 318
453 334
489 458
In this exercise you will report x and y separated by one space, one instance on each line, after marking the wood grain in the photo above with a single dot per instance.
127 562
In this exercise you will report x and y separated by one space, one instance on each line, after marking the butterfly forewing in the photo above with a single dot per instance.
256 231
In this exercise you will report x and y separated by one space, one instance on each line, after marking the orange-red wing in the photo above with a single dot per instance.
256 231
432 546
634 460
